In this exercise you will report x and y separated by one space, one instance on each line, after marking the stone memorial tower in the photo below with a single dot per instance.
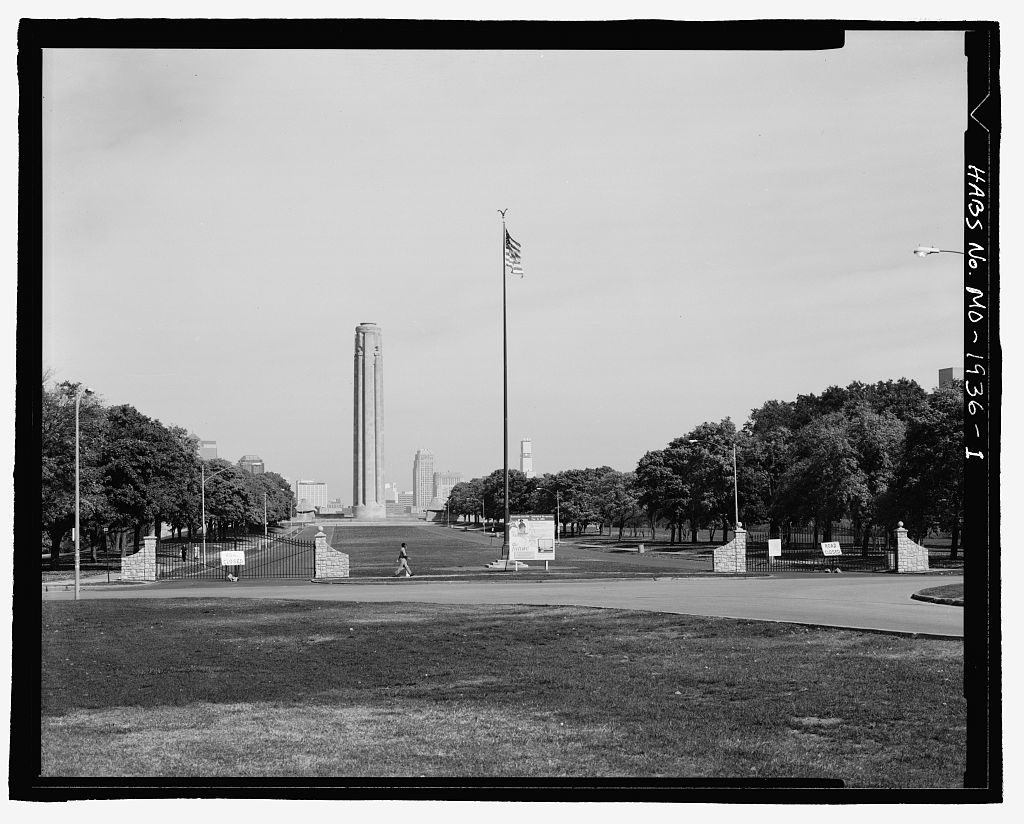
368 426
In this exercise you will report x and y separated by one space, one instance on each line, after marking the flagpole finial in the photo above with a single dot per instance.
502 212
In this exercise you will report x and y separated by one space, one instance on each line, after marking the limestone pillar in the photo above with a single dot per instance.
732 557
368 425
910 557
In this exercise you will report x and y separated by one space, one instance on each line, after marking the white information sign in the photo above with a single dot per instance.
232 557
830 548
775 547
531 538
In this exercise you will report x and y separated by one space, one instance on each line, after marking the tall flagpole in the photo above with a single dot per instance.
504 367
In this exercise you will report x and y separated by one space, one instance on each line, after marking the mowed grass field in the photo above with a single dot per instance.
437 551
213 688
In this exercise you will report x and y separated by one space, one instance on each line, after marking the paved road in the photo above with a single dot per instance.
875 602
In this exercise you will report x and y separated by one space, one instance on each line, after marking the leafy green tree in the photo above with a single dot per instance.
617 497
174 490
705 463
231 498
931 480
279 496
766 454
660 489
467 499
579 506
520 493
825 478
877 439
141 468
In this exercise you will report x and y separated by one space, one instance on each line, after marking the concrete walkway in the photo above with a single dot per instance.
872 602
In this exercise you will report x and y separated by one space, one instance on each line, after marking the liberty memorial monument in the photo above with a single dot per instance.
368 426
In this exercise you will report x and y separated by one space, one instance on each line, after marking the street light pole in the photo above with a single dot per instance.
78 402
924 251
735 485
264 516
558 520
202 485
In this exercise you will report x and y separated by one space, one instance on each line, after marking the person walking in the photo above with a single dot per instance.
403 563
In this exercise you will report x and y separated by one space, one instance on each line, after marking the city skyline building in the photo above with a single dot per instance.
526 457
252 464
402 505
422 478
313 491
207 450
368 425
950 374
444 482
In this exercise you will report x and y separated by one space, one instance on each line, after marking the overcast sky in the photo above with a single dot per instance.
701 232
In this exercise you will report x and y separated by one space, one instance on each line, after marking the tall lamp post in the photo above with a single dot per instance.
735 480
558 521
924 251
202 484
82 390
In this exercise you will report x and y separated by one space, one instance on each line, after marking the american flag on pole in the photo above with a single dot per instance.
513 258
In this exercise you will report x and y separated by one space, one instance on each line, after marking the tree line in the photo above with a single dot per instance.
136 474
867 455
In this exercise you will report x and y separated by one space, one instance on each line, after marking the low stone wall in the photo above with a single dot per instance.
732 557
327 561
910 556
142 565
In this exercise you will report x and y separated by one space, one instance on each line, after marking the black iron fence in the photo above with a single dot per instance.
801 550
248 556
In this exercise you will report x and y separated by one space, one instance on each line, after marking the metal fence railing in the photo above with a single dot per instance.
272 556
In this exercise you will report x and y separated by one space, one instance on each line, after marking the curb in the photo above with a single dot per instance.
953 602
62 587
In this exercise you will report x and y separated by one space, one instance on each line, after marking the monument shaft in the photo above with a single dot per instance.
368 425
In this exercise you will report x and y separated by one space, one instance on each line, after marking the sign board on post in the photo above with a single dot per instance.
531 538
830 548
232 557
775 547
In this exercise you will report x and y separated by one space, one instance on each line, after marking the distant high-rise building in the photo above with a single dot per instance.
947 376
402 505
207 450
390 493
313 491
526 457
252 463
444 482
422 478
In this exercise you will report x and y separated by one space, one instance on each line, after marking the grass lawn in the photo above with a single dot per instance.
948 591
437 551
298 688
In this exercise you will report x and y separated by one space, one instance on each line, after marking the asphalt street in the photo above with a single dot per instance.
870 602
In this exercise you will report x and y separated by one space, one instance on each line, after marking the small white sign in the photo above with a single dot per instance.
775 547
830 548
232 557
